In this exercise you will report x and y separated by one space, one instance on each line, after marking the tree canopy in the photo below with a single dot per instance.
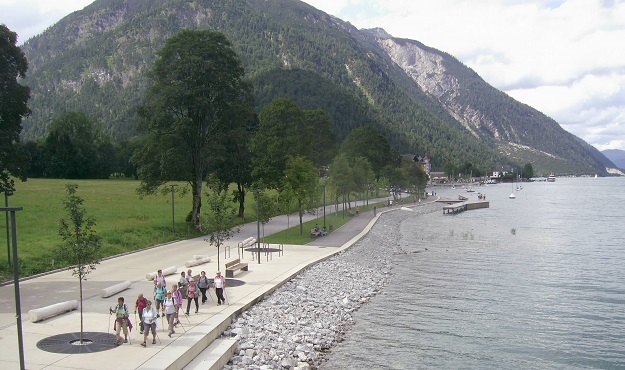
14 159
368 143
288 130
198 81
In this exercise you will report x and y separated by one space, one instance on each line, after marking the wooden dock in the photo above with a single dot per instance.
457 207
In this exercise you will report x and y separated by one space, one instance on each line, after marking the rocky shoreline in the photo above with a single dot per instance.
297 325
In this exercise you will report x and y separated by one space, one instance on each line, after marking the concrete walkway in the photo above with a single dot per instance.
195 341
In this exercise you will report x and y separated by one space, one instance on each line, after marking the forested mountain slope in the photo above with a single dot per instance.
95 61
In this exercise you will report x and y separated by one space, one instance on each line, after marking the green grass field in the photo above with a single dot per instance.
125 221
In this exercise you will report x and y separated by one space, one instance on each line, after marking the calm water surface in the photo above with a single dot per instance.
537 282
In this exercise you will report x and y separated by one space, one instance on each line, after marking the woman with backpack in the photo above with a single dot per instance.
150 318
192 293
121 320
204 284
171 304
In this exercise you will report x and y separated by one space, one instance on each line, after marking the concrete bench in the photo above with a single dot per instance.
235 265
42 313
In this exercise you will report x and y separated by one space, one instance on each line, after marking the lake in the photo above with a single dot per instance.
536 282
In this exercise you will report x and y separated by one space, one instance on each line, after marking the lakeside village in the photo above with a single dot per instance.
501 173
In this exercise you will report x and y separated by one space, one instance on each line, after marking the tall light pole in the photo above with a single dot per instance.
173 223
257 191
6 204
324 207
16 282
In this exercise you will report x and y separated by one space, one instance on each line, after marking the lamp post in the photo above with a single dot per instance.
324 207
16 282
173 223
6 204
257 191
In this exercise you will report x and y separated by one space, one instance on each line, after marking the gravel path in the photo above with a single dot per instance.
296 326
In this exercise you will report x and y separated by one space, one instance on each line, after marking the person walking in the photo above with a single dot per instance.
192 295
175 292
219 283
139 306
161 292
189 275
204 284
159 278
121 321
149 323
170 311
183 283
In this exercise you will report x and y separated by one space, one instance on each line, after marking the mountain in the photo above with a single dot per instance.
616 156
424 100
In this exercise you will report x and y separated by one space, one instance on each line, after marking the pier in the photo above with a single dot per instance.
454 207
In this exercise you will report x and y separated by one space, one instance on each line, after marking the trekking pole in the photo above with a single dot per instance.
209 294
159 338
108 331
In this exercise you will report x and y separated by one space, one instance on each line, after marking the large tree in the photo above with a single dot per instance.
288 130
197 83
370 144
300 180
14 158
75 149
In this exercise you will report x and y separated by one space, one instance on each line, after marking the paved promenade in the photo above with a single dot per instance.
199 331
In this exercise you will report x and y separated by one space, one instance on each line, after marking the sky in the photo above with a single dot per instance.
565 58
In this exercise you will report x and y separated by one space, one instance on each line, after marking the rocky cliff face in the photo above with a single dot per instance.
427 69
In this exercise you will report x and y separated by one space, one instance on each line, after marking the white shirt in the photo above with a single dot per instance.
218 282
170 305
149 316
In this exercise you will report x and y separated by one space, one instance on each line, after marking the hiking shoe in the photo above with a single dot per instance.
117 344
186 313
195 311
153 341
143 344
169 334
157 316
141 332
125 340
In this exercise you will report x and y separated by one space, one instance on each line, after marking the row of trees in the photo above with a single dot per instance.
76 148
199 122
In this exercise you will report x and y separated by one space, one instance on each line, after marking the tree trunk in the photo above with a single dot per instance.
197 201
81 319
241 198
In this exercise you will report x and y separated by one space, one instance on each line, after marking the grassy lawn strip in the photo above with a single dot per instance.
333 221
125 221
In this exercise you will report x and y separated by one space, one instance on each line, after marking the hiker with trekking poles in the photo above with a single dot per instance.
122 321
219 283
150 318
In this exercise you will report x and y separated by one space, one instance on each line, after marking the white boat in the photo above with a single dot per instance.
551 178
512 196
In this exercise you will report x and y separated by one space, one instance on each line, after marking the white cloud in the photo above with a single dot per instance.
31 17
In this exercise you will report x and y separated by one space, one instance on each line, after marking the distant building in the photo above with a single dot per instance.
438 177
424 162
502 170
